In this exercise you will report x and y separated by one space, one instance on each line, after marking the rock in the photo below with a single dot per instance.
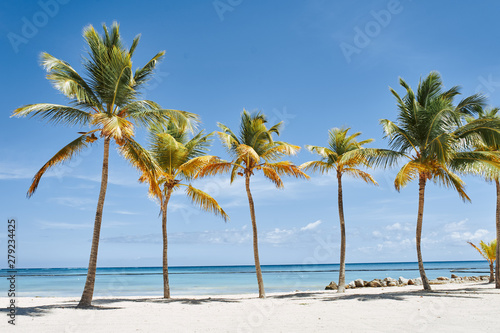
415 282
453 276
366 283
484 278
384 283
442 278
331 286
359 283
375 283
436 281
390 282
402 281
351 284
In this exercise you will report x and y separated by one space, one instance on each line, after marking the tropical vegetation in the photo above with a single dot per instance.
490 174
431 135
177 159
254 150
436 138
342 156
489 252
106 100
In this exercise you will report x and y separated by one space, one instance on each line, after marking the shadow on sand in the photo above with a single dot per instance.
397 294
107 304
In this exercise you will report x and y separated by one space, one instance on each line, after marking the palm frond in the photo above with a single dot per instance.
323 152
229 141
113 126
248 154
191 167
143 74
445 177
272 175
277 150
317 166
205 202
468 106
65 154
480 163
216 168
54 113
142 160
406 174
199 144
65 79
478 250
356 173
399 139
236 170
490 250
286 168
382 157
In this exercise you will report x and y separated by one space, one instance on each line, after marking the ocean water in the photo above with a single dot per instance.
218 280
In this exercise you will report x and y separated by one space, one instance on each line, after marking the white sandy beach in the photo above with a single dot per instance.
468 307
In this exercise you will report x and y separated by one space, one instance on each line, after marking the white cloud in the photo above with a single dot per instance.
278 236
398 227
128 181
469 236
455 226
311 226
64 225
74 202
124 212
243 235
395 226
15 172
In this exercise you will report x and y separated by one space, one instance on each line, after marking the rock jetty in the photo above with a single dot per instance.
390 282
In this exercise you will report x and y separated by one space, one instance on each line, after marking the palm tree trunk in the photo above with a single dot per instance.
88 291
166 286
262 293
497 265
492 272
421 192
341 286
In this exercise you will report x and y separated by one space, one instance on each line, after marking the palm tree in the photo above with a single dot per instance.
177 159
489 252
431 137
343 157
254 149
107 101
490 173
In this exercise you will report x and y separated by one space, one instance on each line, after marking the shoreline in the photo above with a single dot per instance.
451 307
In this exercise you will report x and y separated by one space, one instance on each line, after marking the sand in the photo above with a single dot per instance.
468 307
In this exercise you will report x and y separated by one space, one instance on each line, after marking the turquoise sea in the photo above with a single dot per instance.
217 280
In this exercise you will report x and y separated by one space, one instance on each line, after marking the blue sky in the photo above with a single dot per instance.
313 64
